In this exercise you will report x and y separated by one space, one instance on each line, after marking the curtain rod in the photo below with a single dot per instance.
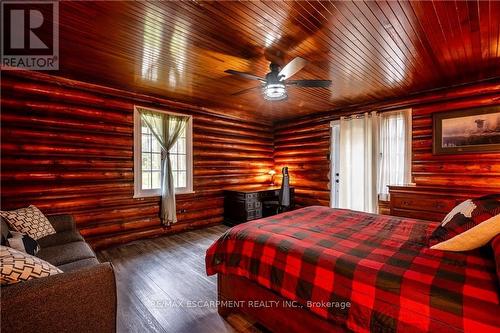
359 115
362 115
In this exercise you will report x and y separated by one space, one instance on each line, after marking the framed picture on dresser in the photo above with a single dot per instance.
466 131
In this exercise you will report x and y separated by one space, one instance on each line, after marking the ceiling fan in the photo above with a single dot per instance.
274 84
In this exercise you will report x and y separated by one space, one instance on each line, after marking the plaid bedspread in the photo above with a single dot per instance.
381 265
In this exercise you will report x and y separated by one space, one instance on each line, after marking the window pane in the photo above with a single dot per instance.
155 179
146 180
176 178
156 147
182 162
182 145
182 179
146 143
393 149
144 127
173 161
173 150
156 161
146 161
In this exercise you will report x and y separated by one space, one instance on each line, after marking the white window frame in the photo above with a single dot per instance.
138 191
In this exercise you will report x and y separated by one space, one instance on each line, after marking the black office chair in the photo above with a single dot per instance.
283 202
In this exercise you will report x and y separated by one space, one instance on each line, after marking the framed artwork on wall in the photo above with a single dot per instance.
466 131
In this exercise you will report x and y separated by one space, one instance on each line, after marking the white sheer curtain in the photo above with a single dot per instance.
358 162
395 150
166 128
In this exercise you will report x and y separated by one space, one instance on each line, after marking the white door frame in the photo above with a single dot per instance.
334 163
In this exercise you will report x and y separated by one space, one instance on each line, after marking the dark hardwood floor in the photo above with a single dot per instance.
159 279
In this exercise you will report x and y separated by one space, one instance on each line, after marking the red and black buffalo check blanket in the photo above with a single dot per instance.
382 265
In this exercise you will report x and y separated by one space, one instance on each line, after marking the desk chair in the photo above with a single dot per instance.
283 202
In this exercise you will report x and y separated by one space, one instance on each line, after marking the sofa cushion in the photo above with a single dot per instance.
17 266
62 222
62 254
76 265
60 238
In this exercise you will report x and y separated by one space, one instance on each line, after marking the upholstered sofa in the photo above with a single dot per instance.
81 299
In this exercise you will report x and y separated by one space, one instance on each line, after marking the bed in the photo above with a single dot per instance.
341 270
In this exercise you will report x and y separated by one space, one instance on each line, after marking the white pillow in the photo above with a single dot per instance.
29 221
16 266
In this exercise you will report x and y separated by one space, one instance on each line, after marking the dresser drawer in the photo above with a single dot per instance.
253 204
418 214
251 196
254 214
431 204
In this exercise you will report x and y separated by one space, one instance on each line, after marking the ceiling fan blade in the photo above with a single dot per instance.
244 91
245 75
310 83
292 67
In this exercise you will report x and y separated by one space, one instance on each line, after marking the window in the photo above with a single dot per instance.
147 159
395 150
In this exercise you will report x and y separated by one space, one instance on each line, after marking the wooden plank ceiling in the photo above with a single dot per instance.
371 50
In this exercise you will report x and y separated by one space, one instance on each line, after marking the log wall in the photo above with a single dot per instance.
67 147
304 150
303 144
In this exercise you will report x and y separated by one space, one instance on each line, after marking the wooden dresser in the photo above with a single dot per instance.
430 202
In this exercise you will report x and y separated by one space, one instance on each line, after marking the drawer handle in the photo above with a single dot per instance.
406 203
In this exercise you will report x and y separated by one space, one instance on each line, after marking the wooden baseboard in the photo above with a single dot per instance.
99 243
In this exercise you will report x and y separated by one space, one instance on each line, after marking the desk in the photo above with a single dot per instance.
245 204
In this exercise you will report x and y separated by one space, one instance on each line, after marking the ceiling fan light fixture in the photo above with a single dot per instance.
275 92
275 82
